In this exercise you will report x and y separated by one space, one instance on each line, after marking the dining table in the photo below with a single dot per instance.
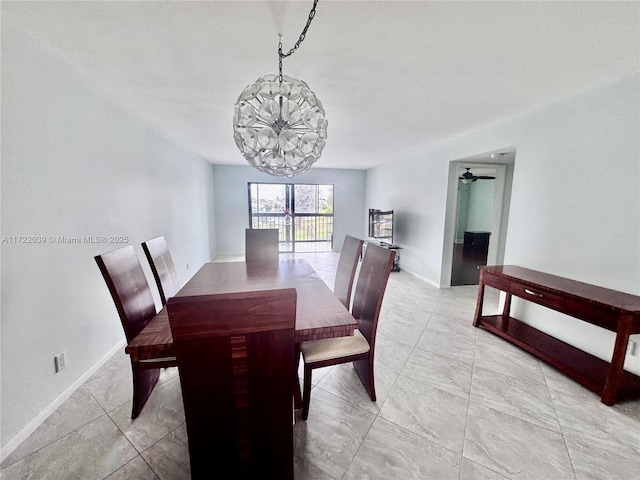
319 313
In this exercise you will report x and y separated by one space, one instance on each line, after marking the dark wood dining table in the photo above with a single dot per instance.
319 313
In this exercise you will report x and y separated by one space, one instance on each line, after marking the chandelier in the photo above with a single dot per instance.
278 122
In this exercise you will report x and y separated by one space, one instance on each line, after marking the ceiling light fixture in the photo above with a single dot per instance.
468 177
278 123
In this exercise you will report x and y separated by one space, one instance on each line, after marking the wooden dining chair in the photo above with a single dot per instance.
130 292
346 271
359 348
236 360
262 245
162 267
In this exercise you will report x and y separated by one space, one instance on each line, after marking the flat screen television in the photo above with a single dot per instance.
381 225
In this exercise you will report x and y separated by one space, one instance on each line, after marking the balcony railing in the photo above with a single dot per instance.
300 232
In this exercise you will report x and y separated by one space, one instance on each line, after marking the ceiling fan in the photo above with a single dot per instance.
468 177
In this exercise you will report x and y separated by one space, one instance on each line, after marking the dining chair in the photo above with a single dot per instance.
261 245
131 294
162 267
360 347
346 271
236 359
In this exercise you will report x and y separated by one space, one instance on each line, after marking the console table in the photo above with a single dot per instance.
615 311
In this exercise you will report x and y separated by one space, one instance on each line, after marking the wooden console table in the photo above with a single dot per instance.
615 311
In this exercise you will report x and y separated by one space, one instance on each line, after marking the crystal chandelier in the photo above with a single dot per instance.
278 123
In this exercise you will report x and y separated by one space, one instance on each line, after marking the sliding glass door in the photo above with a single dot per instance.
303 214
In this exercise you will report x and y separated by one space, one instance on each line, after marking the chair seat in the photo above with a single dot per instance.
315 351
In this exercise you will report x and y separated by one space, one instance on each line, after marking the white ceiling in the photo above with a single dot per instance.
394 77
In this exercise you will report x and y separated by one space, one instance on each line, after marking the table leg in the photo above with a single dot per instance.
616 370
506 309
476 318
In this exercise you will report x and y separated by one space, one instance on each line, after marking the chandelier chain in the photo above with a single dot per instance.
301 38
280 129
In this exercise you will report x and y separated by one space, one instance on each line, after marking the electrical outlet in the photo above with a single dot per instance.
632 348
59 362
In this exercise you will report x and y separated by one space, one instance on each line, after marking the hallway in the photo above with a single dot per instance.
464 270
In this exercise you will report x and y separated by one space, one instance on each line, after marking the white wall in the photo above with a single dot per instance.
481 206
415 189
574 202
231 202
74 164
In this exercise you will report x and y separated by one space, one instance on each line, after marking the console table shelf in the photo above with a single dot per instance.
609 309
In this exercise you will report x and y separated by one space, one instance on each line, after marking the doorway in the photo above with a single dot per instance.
477 215
474 224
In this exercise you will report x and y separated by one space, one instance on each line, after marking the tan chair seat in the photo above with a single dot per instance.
320 350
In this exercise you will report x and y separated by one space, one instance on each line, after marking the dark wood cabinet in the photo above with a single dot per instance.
609 309
476 241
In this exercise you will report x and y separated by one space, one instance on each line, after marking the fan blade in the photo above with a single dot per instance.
485 177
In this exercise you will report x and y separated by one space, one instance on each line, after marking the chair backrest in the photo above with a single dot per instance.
162 267
372 282
347 266
129 289
261 245
236 357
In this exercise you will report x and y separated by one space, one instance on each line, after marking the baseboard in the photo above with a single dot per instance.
31 427
420 277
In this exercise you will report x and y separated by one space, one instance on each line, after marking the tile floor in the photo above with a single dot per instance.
454 402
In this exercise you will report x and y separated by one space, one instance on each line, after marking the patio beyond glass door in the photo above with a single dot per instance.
302 213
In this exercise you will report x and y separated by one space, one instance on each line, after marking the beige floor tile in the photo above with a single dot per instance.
495 353
396 328
474 471
343 382
303 469
331 436
169 458
449 345
521 398
583 417
112 389
440 372
391 354
514 448
78 410
92 452
161 415
390 452
453 325
592 463
136 469
433 414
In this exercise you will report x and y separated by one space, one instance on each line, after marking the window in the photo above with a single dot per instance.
303 213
